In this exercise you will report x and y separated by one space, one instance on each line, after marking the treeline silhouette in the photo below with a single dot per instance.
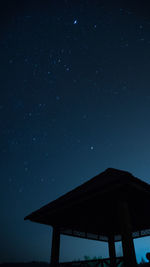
44 264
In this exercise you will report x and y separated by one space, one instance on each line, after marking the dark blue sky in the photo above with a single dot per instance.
74 100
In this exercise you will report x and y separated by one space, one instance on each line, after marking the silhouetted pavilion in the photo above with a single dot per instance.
113 206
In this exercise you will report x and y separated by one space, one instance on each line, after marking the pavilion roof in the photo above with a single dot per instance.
91 209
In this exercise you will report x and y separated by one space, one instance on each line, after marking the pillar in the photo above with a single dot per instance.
112 251
126 232
55 248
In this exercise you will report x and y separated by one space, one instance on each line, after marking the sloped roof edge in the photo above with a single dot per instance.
105 180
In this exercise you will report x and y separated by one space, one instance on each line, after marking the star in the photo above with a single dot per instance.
75 21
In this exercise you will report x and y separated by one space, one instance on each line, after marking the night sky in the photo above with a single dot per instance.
74 100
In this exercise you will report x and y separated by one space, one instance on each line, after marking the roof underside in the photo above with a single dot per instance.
91 210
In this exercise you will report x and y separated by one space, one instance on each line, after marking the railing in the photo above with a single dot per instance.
93 263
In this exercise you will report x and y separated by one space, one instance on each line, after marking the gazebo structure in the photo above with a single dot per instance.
112 206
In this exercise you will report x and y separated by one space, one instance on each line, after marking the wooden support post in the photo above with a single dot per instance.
127 240
55 248
112 251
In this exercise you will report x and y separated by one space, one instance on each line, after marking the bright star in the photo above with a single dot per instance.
75 21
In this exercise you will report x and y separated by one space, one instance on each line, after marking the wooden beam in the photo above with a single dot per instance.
55 248
126 232
112 251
